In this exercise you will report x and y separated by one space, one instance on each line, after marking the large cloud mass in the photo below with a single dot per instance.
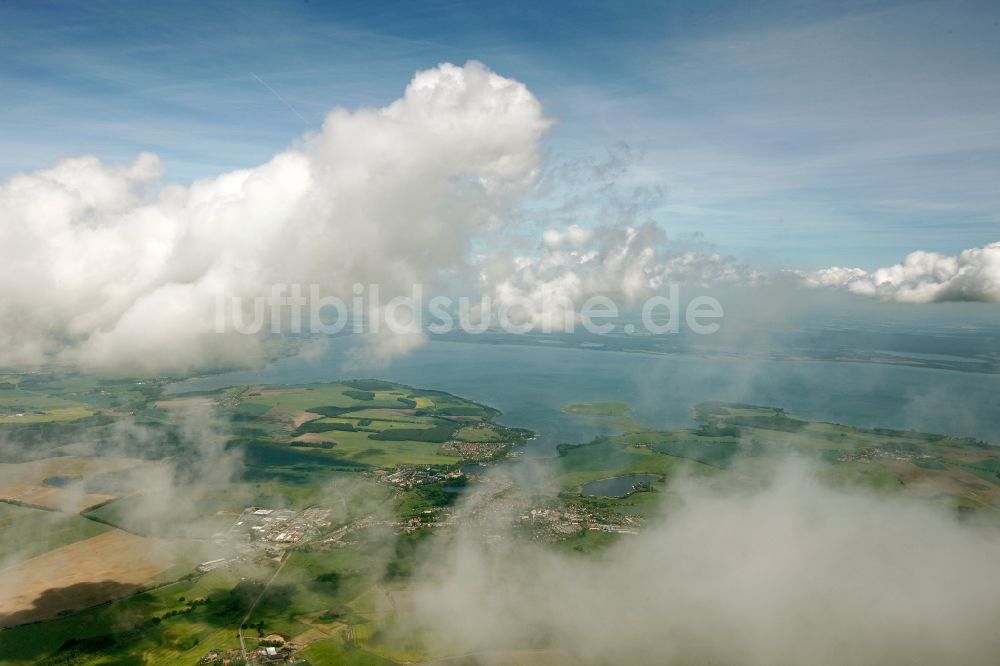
109 266
794 573
923 277
112 267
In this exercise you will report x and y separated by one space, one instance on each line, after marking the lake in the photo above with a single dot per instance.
532 384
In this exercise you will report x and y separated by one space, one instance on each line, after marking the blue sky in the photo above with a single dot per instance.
787 134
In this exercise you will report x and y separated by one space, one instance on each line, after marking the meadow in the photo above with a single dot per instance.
939 468
326 445
300 446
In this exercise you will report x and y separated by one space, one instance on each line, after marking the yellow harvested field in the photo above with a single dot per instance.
79 575
312 635
952 481
57 414
25 482
291 417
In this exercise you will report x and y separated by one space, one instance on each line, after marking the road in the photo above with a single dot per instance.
246 618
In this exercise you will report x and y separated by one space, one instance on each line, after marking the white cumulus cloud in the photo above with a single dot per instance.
922 277
108 266
624 262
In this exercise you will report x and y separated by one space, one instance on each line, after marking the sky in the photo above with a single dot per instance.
785 134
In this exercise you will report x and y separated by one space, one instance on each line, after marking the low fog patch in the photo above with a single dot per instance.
789 571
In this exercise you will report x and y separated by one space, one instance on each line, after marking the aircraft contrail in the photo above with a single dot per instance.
275 93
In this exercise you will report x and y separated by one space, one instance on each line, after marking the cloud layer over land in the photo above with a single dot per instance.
793 572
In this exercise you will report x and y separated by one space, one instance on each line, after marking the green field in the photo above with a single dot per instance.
360 424
607 414
28 532
327 445
301 446
163 624
599 409
939 468
41 397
